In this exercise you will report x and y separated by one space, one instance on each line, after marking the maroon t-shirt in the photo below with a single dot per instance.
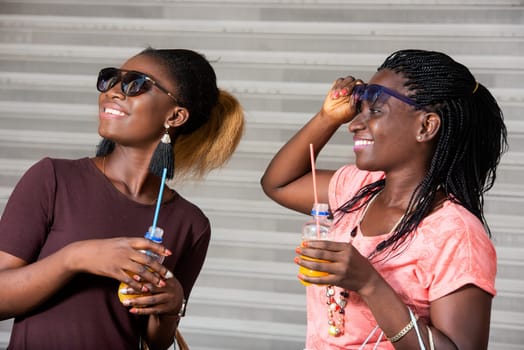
62 201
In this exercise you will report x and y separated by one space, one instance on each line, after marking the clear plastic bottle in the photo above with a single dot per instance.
316 228
319 225
156 237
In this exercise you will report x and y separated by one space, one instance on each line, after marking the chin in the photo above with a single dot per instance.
366 166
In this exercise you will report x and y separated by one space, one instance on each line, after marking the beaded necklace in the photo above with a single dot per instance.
336 304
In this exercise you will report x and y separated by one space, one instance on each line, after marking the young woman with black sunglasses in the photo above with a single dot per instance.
409 262
73 229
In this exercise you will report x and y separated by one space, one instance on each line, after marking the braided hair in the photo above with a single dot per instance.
471 140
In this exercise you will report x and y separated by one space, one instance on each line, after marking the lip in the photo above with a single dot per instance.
112 111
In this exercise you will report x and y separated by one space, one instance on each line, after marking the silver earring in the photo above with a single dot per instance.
166 138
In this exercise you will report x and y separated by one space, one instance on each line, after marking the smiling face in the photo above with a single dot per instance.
137 121
385 132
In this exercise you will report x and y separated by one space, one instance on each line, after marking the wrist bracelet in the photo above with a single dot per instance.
182 311
404 330
430 339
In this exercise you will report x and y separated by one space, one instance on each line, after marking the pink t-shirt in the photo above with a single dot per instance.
449 249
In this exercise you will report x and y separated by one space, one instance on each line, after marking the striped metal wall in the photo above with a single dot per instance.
278 57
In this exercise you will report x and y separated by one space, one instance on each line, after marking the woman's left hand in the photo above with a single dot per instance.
345 266
165 300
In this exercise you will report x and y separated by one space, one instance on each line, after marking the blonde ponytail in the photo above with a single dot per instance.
213 144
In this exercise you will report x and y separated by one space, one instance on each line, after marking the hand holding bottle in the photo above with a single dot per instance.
116 258
124 291
168 300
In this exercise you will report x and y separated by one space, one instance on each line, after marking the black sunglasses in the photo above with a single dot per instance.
373 93
132 83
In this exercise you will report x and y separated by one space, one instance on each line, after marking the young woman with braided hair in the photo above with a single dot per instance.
73 230
409 262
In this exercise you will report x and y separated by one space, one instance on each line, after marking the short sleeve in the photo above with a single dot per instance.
462 254
29 212
188 268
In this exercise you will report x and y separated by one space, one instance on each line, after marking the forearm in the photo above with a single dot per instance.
26 287
161 331
292 160
162 325
292 164
392 315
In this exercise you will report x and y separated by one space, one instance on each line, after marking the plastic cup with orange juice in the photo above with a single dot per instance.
317 228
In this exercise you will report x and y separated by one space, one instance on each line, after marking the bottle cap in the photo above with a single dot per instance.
155 236
320 209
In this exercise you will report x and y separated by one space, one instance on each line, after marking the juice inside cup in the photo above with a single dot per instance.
123 297
315 229
308 272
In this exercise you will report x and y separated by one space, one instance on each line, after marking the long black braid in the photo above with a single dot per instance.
471 140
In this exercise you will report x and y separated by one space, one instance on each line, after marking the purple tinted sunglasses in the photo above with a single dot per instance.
371 93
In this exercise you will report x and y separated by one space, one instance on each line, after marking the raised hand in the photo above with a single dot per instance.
339 105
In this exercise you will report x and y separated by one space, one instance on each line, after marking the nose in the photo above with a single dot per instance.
357 123
116 91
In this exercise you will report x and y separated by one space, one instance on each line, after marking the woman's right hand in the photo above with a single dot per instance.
343 263
339 105
120 258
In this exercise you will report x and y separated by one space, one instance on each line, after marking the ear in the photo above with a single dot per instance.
429 127
179 117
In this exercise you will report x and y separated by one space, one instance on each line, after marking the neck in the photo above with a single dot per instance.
380 215
129 173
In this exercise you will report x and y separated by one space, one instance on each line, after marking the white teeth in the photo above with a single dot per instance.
114 112
363 142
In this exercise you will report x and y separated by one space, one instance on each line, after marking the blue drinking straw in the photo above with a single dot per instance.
159 200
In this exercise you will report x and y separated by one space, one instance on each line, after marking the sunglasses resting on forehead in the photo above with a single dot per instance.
132 83
373 93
